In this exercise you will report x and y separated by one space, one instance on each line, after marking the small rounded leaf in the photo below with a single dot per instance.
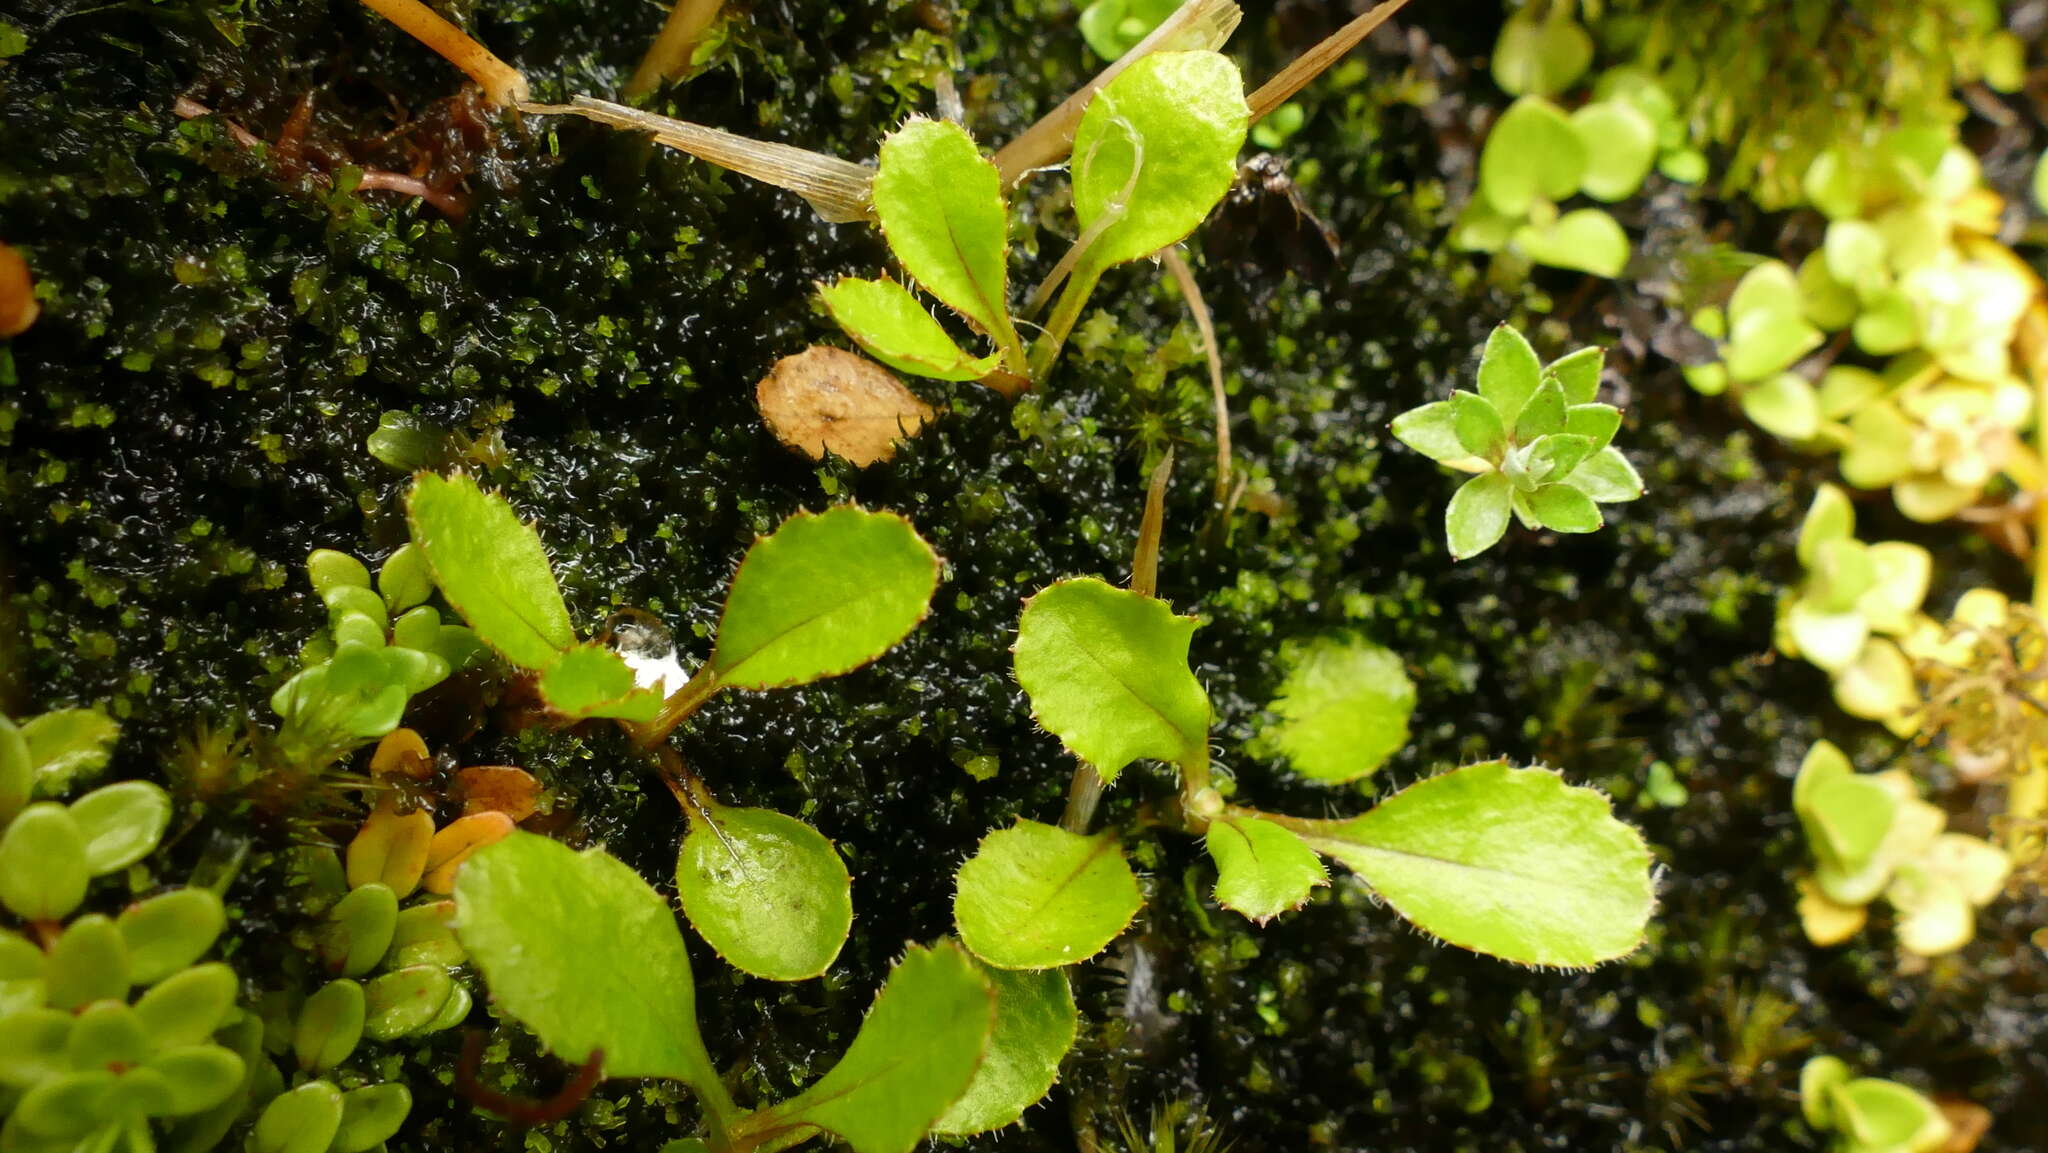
1035 896
1621 145
331 571
391 849
405 580
187 1008
32 1045
405 1001
767 891
170 931
454 844
88 963
106 1035
196 1077
17 771
43 869
67 1105
357 931
1477 516
1262 870
425 936
304 1120
330 1025
122 824
1035 1026
823 595
371 1116
1341 712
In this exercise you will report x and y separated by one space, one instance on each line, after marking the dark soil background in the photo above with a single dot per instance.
223 329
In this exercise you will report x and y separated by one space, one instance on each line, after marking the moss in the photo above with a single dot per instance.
219 342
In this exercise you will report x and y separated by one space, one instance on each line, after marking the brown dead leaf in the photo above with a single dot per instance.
497 789
18 307
1968 1123
826 398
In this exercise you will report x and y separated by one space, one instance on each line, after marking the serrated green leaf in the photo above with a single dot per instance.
1432 431
1035 896
42 863
822 595
1106 671
1563 508
893 326
1621 145
915 1056
122 824
491 567
767 891
940 204
1504 861
1607 477
1036 1022
1477 425
1578 374
1477 516
1262 870
1583 240
580 950
1531 153
1508 372
1342 710
591 680
68 747
1155 151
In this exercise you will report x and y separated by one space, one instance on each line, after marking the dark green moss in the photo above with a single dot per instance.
188 420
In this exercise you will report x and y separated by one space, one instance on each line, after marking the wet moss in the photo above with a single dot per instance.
221 336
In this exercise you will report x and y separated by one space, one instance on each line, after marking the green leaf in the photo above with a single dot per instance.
1767 327
580 950
371 1116
122 824
405 580
767 891
17 771
170 931
1621 145
823 595
1563 508
1596 422
1818 1079
1607 477
1885 1115
491 567
892 326
1578 374
2039 184
1509 372
42 863
68 746
329 1027
1888 324
405 1001
1583 240
915 1055
940 204
1262 870
1540 56
1786 406
1155 151
1478 515
357 931
1106 671
32 1044
591 680
69 1105
1036 896
104 1034
88 962
1432 431
1504 861
1477 425
1831 517
1553 458
303 1120
1854 254
331 571
186 1008
1035 1026
1532 153
1341 712
1542 414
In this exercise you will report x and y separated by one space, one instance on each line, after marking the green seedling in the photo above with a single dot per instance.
579 949
1677 158
1868 1114
1541 55
1155 151
1856 603
823 595
1537 438
1114 27
1538 156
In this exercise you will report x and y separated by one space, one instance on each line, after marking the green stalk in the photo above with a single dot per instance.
1065 313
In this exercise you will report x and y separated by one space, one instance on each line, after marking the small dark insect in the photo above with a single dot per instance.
523 1110
1263 224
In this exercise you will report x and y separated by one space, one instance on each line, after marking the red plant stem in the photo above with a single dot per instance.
523 1110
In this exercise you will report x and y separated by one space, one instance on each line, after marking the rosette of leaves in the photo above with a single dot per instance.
1872 836
107 1023
1155 151
1538 440
1766 328
1506 861
583 952
382 645
823 595
1869 1114
1536 157
1856 602
1936 441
